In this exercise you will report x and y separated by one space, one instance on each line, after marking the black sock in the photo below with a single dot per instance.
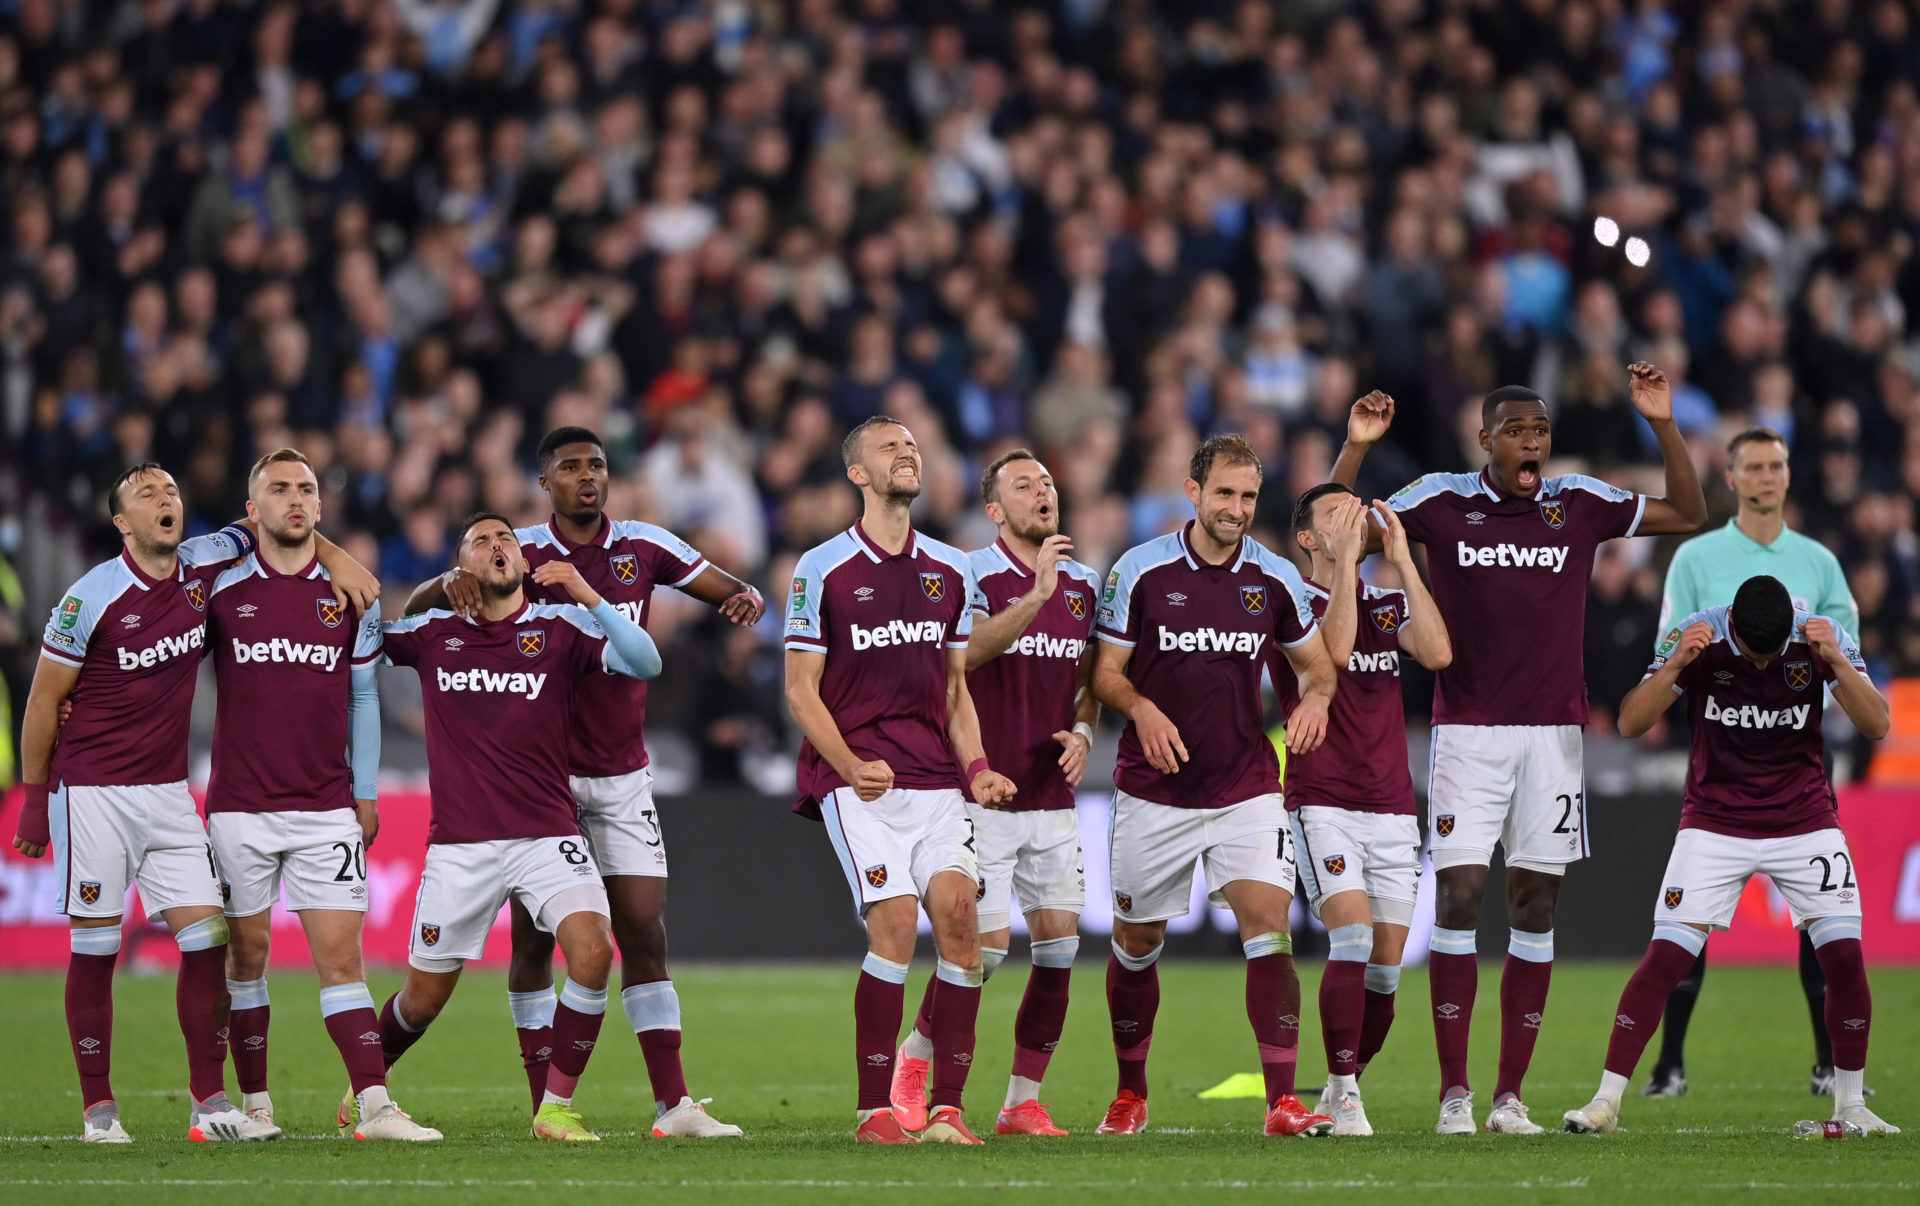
1673 1029
1813 981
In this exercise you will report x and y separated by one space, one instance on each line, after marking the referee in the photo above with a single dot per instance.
1711 567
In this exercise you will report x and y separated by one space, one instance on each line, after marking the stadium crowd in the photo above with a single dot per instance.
409 236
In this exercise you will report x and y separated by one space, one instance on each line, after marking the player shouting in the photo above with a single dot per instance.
125 645
293 805
1185 624
1355 825
1028 663
1510 552
623 561
503 692
1757 802
877 630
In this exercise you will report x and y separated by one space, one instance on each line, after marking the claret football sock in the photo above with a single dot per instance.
1042 1017
1133 998
1849 1003
1669 956
201 999
653 1010
956 1010
1383 985
347 1010
1273 1008
90 1009
397 1035
1523 1004
576 1029
1343 996
878 1000
1453 978
533 1026
247 1027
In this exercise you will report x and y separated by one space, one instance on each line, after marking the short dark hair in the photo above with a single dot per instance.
990 476
119 483
1226 449
1506 393
1762 614
1303 510
1754 435
560 437
850 447
478 517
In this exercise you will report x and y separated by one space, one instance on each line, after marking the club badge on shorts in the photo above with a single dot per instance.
934 586
429 934
1443 824
626 567
533 642
1336 864
1123 902
89 891
330 611
1254 599
1673 897
876 875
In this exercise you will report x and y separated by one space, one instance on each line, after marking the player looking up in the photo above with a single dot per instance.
1711 567
1185 624
1356 829
877 627
124 646
503 693
623 561
1510 552
1028 663
1757 802
293 806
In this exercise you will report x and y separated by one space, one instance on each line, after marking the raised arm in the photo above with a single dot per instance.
1367 421
1424 636
1853 690
1684 509
1648 701
1346 537
634 653
993 635
39 729
990 788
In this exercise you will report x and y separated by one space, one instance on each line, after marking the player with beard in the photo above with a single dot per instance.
124 647
503 693
1509 552
1028 662
624 561
293 805
1185 625
877 629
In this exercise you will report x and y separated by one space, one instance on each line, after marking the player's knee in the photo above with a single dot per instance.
590 958
1350 943
1055 952
202 935
1137 944
94 940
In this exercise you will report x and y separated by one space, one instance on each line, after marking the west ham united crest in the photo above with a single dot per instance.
1254 599
876 875
1443 824
1336 864
934 586
331 613
89 891
625 567
429 934
1799 674
1386 619
533 642
197 595
1076 604
1123 901
1674 896
1554 511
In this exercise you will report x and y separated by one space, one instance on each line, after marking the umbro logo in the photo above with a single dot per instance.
1723 676
963 1058
544 1053
371 1038
1290 1020
1855 1023
245 611
1623 1021
1447 1010
222 1034
1126 1025
453 644
1533 1021
130 621
1476 517
1343 1055
256 1041
878 1059
1176 598
864 594
583 1044
88 1045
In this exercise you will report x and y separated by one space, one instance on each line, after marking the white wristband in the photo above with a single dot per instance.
1086 732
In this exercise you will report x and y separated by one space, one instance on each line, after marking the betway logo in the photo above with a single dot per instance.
1387 660
497 684
897 632
1036 644
1212 640
1512 554
279 649
1746 716
164 649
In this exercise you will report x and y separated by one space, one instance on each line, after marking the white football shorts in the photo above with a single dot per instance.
619 818
319 856
1342 850
895 845
1707 872
1153 847
464 884
107 838
1034 855
1520 785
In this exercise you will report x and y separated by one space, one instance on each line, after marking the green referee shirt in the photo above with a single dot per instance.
1707 571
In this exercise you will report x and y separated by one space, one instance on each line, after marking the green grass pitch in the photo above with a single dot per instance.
772 1046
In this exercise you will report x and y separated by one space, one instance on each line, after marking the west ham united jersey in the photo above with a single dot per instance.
137 642
1362 765
1510 578
1026 695
1199 635
284 648
885 622
502 700
623 563
1758 768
